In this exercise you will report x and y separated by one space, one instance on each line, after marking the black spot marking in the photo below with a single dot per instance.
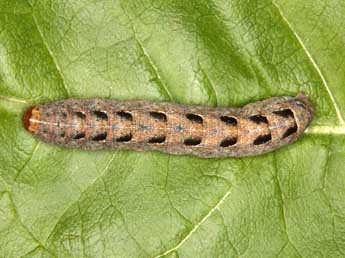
159 116
100 137
64 114
259 119
195 118
125 115
80 114
284 113
62 134
290 131
192 141
157 139
100 114
262 139
79 136
124 138
229 120
228 142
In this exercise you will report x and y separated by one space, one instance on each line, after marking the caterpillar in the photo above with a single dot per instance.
94 124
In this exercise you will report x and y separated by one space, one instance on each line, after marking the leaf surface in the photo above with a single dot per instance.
57 202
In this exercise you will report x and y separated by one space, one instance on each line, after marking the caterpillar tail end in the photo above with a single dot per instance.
306 104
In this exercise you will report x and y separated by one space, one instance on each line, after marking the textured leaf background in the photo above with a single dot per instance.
56 202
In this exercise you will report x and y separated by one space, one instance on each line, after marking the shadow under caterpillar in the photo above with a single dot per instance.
94 124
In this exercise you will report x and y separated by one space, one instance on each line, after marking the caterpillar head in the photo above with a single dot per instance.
31 119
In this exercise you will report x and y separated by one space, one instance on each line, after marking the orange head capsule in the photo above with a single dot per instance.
30 119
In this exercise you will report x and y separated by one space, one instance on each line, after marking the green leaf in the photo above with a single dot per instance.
57 202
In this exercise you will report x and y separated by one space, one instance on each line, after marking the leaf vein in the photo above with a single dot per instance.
196 226
312 60
57 66
209 87
112 205
324 129
16 212
27 161
328 201
227 236
280 195
163 87
13 99
81 193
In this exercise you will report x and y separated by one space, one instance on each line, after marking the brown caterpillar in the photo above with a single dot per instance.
94 124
